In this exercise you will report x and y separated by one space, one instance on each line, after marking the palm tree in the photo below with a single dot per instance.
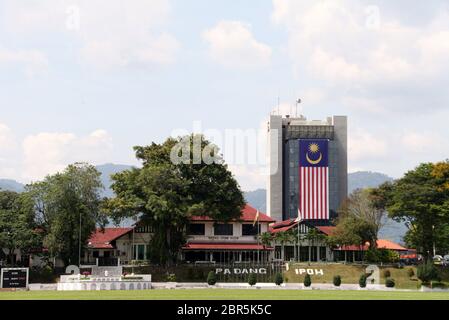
266 238
283 238
312 237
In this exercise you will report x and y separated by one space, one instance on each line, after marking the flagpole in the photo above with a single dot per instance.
298 253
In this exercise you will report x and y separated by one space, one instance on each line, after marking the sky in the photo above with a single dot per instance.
86 80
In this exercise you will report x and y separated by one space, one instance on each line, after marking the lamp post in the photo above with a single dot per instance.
79 245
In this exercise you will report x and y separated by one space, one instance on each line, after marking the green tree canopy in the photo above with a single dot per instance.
359 220
421 199
174 183
63 202
17 225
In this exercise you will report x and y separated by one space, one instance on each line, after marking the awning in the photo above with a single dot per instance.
225 246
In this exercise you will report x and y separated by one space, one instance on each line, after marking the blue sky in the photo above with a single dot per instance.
87 80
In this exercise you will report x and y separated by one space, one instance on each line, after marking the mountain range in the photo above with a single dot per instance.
364 179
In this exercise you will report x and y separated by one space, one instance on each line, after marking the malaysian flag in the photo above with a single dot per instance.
313 179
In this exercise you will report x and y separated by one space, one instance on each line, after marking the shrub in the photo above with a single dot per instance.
337 281
211 278
387 273
171 277
252 279
42 275
381 255
362 281
410 273
190 274
200 274
428 272
389 283
278 279
307 280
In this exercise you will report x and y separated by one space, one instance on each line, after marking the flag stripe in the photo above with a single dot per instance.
314 193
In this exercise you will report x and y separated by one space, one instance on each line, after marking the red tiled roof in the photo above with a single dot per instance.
225 246
282 229
390 245
327 230
102 238
381 244
248 215
283 224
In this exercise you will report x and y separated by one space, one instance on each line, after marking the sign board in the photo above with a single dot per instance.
14 278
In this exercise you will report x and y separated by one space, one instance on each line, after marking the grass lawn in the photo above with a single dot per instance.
222 294
351 274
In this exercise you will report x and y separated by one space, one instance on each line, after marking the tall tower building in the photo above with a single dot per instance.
308 168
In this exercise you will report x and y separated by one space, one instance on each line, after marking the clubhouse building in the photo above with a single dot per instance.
238 241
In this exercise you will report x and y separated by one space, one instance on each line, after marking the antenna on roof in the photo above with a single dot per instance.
298 101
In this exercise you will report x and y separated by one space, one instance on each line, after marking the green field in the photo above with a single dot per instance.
223 294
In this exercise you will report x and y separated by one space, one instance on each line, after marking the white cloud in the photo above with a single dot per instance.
47 153
232 44
249 177
108 33
367 51
31 61
8 149
363 145
7 141
423 142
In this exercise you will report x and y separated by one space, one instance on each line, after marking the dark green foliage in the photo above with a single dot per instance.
389 283
200 274
252 279
171 277
190 274
307 280
60 201
359 220
278 279
211 278
42 275
381 255
421 199
17 225
362 280
428 272
166 193
337 281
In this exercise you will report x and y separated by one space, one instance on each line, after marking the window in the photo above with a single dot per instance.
223 230
250 230
197 229
144 229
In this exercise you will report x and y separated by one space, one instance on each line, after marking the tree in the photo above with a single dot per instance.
252 279
427 272
421 200
64 202
211 278
307 280
362 280
17 225
337 280
360 219
313 236
266 238
278 279
173 184
283 238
